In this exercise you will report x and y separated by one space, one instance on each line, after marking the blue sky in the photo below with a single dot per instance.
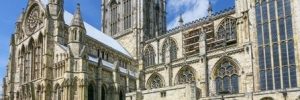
11 9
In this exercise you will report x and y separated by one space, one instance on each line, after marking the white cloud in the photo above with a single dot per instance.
193 9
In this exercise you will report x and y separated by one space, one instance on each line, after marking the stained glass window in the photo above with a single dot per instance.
227 30
155 81
149 56
127 14
172 50
186 75
227 78
276 54
114 18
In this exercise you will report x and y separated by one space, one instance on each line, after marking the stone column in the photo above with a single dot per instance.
127 84
116 78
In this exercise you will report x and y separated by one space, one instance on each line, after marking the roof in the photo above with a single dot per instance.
95 33
98 35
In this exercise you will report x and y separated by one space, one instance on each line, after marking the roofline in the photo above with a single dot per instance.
106 46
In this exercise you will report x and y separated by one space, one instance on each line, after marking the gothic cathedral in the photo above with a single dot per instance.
246 52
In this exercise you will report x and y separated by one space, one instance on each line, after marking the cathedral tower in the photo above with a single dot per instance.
133 21
56 13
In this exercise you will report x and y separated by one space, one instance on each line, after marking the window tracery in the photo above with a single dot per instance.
114 18
149 56
275 44
186 75
155 81
127 14
171 46
227 78
227 30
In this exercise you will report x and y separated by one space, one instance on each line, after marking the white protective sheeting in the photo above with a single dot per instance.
94 59
108 64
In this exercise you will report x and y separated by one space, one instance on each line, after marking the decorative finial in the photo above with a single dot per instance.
181 20
209 9
77 19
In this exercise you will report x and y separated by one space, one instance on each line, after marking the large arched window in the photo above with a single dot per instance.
114 17
155 81
21 63
170 47
275 41
29 61
38 58
149 56
186 75
227 78
227 30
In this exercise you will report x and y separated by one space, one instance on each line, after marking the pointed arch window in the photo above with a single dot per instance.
149 56
127 14
227 30
29 61
227 78
171 44
155 81
38 58
21 62
185 76
114 18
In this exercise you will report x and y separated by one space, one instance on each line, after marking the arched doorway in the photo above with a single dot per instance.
103 93
91 92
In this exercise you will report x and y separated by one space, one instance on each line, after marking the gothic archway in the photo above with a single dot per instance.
91 92
226 76
149 56
186 75
227 30
155 81
170 46
103 92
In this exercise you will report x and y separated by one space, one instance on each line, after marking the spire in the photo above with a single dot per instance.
77 19
209 9
180 20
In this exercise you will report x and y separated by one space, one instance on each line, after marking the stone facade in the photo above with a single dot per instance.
55 55
223 55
